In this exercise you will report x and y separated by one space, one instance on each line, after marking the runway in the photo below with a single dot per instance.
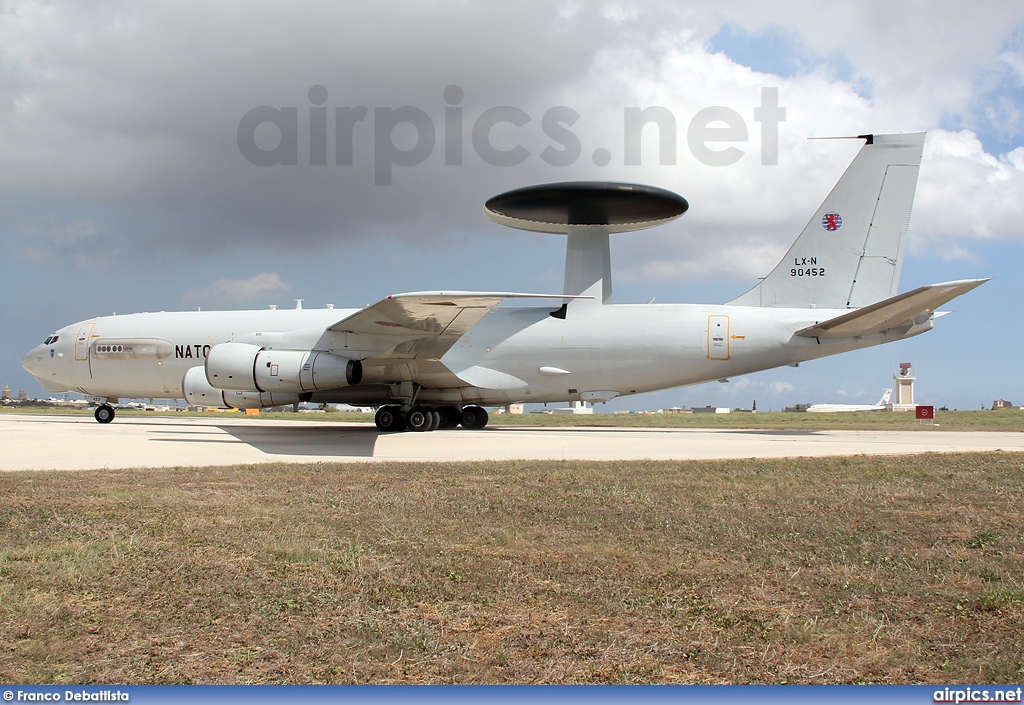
32 442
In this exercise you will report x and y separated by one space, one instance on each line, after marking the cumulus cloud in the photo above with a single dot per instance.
748 385
48 240
781 387
237 291
126 116
966 194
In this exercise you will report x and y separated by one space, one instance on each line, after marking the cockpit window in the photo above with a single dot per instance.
51 340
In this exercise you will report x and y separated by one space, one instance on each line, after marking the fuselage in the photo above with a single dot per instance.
514 354
836 408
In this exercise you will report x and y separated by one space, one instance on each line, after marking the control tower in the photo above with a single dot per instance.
904 388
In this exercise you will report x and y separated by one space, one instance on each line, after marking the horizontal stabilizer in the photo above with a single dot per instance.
915 306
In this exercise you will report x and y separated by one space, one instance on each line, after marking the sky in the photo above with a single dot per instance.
139 171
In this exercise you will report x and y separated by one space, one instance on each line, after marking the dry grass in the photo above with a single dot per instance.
1001 420
907 569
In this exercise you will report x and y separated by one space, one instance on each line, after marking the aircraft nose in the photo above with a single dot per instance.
31 362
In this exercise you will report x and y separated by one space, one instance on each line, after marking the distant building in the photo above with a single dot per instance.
349 409
703 410
6 393
575 407
676 410
1001 404
797 407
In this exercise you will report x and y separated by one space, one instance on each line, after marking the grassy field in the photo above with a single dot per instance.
1001 420
844 570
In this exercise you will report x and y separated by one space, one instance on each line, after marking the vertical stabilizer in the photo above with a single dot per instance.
850 253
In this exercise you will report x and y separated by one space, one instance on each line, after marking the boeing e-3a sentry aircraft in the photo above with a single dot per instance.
434 359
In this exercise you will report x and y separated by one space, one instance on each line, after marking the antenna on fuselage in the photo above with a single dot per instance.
588 212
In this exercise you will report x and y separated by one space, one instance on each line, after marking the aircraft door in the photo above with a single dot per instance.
82 341
718 337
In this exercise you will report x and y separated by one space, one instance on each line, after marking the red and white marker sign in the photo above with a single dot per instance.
924 412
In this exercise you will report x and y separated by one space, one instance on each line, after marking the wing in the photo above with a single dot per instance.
427 323
915 306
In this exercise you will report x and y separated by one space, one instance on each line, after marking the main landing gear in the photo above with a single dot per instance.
425 418
104 413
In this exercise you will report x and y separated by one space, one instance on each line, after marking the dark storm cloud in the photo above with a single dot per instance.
119 121
134 110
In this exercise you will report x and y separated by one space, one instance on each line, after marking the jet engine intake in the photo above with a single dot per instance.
232 366
199 392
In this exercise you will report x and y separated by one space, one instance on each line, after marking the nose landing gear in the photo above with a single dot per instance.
104 413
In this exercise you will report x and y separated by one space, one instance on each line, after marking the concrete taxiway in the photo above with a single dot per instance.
78 443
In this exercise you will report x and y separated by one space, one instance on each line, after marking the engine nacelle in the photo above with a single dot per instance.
199 392
258 400
232 366
305 371
243 367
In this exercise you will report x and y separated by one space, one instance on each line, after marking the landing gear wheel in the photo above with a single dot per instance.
450 417
420 418
474 417
104 413
389 419
435 420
